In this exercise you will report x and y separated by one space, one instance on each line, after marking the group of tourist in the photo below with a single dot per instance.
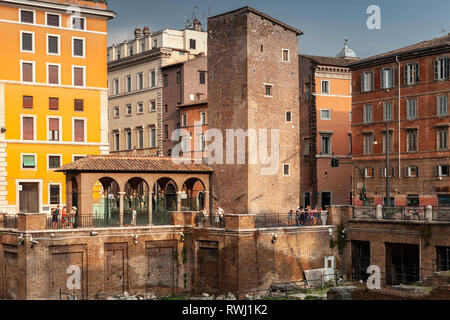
218 217
304 216
67 219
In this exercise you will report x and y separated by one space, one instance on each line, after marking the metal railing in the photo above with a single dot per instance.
209 221
10 221
441 214
364 213
287 220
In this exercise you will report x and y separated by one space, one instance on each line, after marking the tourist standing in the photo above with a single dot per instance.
73 213
55 217
133 216
220 214
64 219
289 218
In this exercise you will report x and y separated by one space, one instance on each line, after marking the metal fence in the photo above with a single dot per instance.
401 213
10 221
441 214
287 220
209 221
364 213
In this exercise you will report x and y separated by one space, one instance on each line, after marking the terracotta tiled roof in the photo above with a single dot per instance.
193 104
329 61
428 44
132 164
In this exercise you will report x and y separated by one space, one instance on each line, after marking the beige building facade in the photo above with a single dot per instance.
136 82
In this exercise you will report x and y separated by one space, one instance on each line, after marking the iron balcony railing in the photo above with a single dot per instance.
363 213
10 221
287 220
439 214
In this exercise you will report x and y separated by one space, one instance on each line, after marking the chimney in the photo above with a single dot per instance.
197 25
137 33
146 31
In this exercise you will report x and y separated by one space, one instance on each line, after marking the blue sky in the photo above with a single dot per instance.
324 22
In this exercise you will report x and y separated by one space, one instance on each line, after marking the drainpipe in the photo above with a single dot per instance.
399 133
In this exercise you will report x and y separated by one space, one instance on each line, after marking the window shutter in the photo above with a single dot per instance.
417 72
372 76
27 72
27 16
78 105
28 102
78 76
53 103
362 82
78 47
436 171
392 79
79 130
406 74
382 78
447 68
53 20
28 128
406 172
436 69
53 74
53 44
53 124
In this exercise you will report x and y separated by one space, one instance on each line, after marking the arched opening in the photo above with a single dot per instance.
164 200
105 202
193 195
136 198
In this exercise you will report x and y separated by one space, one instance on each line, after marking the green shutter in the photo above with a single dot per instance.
29 161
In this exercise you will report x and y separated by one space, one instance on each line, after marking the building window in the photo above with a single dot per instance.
367 81
153 78
53 45
411 140
288 117
28 161
166 132
166 80
442 69
387 111
116 112
26 16
27 102
325 114
155 43
152 106
203 117
369 172
202 77
326 144
27 71
350 142
268 88
118 54
368 144
79 129
117 141
142 46
442 138
411 112
128 83
53 20
141 138
78 23
130 50
286 170
140 108
285 55
325 87
307 91
27 41
53 74
391 172
387 78
79 105
129 140
411 73
28 128
78 76
442 106
192 43
140 80
442 170
128 110
54 162
116 86
184 120
412 171
153 138
53 129
76 158
306 147
412 200
391 140
78 47
53 103
178 77
54 194
367 113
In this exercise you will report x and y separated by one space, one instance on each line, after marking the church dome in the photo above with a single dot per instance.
346 52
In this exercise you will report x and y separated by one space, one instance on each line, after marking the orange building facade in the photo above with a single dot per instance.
325 126
53 96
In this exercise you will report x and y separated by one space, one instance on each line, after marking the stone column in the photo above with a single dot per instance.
207 204
379 212
150 207
429 213
121 210
178 201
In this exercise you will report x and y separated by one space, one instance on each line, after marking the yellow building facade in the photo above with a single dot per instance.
53 96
